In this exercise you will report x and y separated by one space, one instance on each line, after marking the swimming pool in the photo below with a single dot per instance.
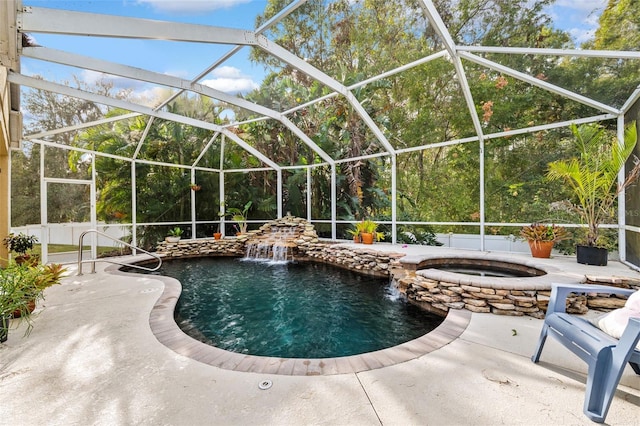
292 310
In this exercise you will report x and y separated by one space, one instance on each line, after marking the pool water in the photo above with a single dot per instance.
292 310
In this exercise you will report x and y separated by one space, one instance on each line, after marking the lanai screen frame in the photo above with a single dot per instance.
40 20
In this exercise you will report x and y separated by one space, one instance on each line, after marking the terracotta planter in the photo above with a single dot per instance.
356 238
31 306
541 249
217 235
366 238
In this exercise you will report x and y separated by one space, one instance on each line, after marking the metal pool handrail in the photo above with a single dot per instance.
93 261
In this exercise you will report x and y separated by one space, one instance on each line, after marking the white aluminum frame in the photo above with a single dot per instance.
55 21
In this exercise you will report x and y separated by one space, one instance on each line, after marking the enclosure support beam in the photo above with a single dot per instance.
221 206
622 222
55 21
279 192
193 204
93 198
44 234
309 194
334 203
394 199
134 207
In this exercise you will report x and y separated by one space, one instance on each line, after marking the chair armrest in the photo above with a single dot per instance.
630 336
559 293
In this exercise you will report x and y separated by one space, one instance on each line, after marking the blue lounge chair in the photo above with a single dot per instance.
605 356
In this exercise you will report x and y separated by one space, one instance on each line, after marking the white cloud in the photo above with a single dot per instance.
581 35
227 72
230 80
585 5
579 19
93 77
190 6
140 91
231 85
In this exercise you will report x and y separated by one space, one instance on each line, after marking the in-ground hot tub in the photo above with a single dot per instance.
481 267
434 282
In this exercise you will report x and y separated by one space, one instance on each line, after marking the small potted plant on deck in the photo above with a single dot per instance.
174 235
355 233
22 245
592 176
368 231
542 236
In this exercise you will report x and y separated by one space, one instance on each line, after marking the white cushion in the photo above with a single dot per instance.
614 322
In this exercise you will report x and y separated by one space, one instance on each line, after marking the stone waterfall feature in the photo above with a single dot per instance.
278 240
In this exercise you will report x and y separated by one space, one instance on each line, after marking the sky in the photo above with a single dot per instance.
186 60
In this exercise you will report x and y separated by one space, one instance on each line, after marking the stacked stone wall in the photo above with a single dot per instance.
362 260
442 295
202 247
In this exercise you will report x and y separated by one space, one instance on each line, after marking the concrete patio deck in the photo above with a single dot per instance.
92 359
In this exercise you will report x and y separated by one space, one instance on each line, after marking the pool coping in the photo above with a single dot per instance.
167 332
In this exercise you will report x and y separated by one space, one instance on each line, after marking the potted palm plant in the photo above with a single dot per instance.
542 237
217 235
240 217
592 175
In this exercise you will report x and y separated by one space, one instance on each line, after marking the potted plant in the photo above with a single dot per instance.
593 176
240 217
174 235
21 285
22 245
542 236
355 233
368 232
221 214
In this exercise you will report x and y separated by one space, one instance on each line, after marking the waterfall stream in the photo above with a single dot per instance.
275 247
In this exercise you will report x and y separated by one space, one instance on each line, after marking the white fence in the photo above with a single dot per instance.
68 233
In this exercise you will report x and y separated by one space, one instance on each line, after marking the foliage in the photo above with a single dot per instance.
20 243
175 232
368 226
240 216
422 235
544 232
593 173
354 231
23 284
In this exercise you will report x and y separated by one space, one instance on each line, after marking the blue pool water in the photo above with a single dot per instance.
293 310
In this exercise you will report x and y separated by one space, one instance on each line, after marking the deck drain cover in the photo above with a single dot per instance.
265 384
